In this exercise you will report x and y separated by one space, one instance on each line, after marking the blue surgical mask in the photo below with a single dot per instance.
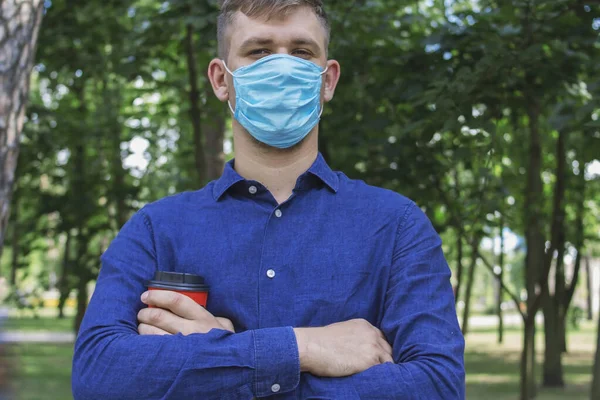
278 99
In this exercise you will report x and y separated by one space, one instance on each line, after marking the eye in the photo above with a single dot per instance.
302 53
259 52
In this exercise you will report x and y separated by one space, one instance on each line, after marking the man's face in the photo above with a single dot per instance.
299 34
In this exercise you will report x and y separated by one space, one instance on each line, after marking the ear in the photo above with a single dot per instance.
217 74
331 79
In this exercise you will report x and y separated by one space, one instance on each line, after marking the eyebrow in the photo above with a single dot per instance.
300 41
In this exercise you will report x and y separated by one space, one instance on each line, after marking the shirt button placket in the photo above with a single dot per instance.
270 259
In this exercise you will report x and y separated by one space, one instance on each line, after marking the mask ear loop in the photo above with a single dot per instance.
322 108
231 73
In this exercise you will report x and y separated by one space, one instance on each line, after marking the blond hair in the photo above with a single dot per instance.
265 9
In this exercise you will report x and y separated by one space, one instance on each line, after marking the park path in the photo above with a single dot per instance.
36 337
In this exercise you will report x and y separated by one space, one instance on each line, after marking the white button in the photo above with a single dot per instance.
271 274
252 189
278 213
275 388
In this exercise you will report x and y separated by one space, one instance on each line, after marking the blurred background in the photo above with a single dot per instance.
486 113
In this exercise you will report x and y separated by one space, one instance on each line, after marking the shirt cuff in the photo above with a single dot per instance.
277 361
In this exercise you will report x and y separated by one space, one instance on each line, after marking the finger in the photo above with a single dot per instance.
381 334
163 319
145 329
177 303
384 342
385 346
385 358
226 324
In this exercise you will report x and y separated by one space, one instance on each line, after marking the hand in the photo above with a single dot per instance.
342 349
176 313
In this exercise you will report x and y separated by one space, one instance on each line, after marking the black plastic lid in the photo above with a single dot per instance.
178 281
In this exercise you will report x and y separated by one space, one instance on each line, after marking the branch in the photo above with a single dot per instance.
558 216
579 241
571 288
512 295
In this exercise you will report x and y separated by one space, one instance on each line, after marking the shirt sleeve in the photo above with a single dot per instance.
419 322
112 361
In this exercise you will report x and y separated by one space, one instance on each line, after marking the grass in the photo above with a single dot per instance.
23 320
492 369
43 371
47 324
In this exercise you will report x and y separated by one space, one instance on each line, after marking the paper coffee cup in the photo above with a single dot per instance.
192 286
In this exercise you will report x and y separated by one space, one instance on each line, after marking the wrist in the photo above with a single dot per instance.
302 338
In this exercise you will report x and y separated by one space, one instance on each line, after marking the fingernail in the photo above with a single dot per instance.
144 296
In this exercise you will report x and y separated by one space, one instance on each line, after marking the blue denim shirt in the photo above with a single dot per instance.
338 249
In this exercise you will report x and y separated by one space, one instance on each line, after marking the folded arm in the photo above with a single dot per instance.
112 361
419 322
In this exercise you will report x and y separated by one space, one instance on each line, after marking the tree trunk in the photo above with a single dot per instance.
324 149
195 113
14 265
20 22
562 330
459 266
470 279
527 360
82 277
579 246
535 260
459 240
119 190
214 132
113 100
82 299
596 372
535 247
553 307
561 298
79 185
63 283
554 315
553 371
500 294
588 275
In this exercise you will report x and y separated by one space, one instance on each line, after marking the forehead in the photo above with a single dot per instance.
301 22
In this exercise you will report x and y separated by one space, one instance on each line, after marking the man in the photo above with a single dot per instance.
322 287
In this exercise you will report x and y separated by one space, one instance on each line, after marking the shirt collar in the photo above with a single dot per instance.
319 169
229 178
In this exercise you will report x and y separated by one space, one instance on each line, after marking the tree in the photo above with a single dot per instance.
553 307
20 21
